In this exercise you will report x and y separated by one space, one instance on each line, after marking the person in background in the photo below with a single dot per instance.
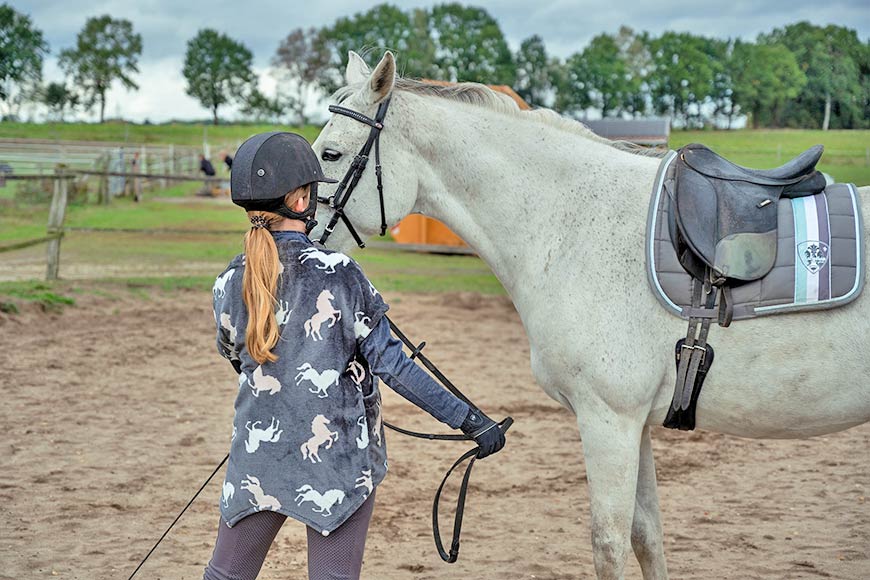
205 166
228 160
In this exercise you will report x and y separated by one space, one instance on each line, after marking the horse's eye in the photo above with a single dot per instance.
330 155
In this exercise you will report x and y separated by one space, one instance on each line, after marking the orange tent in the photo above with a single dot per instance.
418 229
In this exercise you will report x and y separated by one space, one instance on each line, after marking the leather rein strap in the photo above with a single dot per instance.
348 183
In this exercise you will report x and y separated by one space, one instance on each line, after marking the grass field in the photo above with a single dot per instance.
173 254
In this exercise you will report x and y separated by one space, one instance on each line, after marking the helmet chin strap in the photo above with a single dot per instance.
307 215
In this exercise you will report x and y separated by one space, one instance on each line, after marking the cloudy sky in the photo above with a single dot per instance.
565 25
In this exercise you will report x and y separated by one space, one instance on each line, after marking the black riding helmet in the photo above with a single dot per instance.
268 166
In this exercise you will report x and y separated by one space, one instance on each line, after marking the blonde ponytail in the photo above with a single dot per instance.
260 283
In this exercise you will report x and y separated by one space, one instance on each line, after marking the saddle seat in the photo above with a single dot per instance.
725 216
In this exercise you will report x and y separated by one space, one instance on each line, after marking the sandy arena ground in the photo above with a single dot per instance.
117 409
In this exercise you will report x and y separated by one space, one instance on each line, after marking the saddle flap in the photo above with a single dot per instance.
731 226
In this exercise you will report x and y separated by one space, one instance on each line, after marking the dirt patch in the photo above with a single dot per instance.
118 408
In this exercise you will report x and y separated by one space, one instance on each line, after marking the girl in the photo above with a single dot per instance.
306 332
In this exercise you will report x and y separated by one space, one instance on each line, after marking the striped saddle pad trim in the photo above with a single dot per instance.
819 262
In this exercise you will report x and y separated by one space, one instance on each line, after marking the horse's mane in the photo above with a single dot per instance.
481 95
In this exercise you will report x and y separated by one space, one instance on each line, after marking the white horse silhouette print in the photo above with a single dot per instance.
376 428
361 325
242 379
365 480
325 312
227 325
363 440
283 313
228 492
322 435
373 290
256 435
357 373
261 501
328 262
322 380
233 437
260 382
323 501
220 283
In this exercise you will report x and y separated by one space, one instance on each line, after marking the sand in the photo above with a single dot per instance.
117 409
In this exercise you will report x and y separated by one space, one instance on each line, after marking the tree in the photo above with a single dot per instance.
470 46
262 109
106 50
217 70
535 78
22 49
685 69
602 72
830 56
302 59
58 98
370 33
763 79
634 51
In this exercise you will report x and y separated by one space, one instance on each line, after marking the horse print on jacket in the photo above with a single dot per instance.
271 434
220 284
328 261
321 435
322 380
260 382
325 311
228 491
361 325
357 373
363 440
282 315
365 480
323 501
227 325
261 501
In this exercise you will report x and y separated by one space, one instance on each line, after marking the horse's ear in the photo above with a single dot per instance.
357 70
382 79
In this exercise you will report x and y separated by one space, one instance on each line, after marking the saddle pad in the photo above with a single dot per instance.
819 261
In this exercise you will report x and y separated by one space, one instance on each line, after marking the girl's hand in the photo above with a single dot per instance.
484 431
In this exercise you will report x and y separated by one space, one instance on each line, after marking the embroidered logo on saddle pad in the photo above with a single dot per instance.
813 255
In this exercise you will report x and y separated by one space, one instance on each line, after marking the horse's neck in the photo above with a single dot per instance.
526 195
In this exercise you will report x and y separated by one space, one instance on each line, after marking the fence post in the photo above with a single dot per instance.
104 180
172 161
55 223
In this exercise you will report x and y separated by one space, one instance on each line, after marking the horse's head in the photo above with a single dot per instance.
341 140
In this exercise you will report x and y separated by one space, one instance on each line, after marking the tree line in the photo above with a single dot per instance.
800 75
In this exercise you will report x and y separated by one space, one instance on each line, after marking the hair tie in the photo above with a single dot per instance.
258 221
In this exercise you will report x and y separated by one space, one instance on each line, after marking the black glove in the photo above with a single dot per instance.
484 431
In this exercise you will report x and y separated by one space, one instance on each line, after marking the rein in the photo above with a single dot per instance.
337 201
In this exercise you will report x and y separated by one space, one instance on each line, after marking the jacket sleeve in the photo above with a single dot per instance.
225 338
388 361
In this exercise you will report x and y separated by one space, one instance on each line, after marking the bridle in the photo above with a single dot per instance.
351 178
337 201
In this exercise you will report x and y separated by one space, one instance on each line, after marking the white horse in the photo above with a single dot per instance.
559 214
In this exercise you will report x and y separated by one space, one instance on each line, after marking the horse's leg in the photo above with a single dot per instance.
611 447
646 529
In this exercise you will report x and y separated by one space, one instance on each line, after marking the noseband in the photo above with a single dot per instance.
348 183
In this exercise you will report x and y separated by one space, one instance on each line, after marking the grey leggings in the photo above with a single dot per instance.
239 551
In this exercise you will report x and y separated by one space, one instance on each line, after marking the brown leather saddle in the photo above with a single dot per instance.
724 230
